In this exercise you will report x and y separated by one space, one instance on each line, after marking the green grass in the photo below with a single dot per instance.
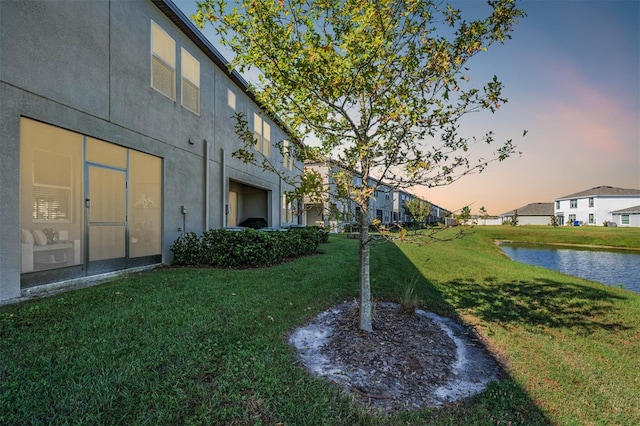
206 346
585 235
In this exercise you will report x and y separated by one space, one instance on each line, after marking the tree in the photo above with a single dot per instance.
514 218
418 209
465 214
484 214
381 86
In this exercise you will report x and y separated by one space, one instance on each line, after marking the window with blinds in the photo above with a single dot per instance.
266 139
163 62
51 187
190 82
257 132
261 135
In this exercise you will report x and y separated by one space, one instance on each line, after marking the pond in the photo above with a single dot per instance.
615 268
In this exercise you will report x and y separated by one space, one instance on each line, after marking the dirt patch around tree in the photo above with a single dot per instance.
408 362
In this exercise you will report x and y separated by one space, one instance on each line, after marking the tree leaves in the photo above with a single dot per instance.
382 85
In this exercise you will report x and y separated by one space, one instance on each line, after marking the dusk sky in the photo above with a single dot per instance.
571 73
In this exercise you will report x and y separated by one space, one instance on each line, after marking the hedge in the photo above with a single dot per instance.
232 249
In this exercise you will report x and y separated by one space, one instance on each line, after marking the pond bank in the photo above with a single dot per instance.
569 245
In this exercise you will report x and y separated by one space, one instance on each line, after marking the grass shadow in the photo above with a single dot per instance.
505 401
541 302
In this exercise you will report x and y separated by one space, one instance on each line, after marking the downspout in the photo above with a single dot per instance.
224 214
282 203
207 180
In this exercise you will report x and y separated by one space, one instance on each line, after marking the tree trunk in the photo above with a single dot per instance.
366 322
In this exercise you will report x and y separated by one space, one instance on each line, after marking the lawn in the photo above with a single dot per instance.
628 238
207 346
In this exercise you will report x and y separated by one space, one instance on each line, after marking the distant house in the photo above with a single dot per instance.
627 217
386 205
400 199
595 206
531 214
401 215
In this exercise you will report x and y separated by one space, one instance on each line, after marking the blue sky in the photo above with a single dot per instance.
571 73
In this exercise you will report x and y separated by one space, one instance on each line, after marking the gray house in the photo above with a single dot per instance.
531 214
387 203
401 197
336 211
116 132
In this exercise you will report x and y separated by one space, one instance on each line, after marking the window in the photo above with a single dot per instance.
287 209
163 62
190 82
572 218
286 152
231 99
557 204
257 132
590 202
59 170
624 219
290 209
145 204
51 187
266 139
262 135
573 203
51 211
591 218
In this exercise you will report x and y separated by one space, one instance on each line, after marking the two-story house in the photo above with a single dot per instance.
382 207
117 134
437 214
387 204
595 206
332 207
400 199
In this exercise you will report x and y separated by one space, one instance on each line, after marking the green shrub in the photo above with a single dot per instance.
188 248
232 249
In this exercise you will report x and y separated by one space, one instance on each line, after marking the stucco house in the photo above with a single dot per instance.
595 206
627 217
335 211
531 214
387 203
327 209
401 197
116 132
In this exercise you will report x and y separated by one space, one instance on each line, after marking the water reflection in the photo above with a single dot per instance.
616 268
